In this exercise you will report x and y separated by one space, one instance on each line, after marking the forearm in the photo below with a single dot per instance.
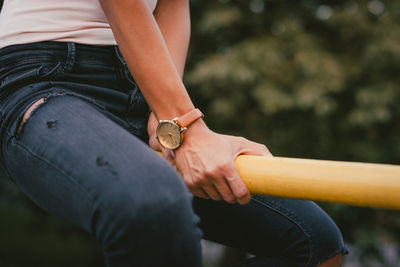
148 57
173 19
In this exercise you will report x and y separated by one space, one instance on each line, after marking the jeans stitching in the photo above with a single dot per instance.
36 59
292 217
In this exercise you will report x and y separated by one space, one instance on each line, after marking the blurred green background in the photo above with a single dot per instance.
308 78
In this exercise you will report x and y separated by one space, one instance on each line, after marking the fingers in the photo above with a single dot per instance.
239 189
198 192
225 191
212 192
247 147
219 182
217 187
204 189
228 181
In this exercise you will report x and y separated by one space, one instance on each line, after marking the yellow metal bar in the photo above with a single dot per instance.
363 184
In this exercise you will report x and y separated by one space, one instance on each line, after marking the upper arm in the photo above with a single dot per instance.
173 19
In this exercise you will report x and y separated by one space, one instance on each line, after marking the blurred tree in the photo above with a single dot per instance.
312 79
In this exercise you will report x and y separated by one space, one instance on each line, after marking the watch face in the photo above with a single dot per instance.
169 134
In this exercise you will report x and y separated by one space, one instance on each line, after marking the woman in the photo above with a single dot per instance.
72 117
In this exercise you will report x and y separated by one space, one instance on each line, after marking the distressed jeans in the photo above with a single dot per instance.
82 156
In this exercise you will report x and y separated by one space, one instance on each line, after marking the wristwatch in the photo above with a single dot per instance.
170 132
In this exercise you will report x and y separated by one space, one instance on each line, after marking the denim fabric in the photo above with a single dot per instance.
81 156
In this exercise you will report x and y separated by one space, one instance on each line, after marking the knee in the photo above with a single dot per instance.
327 245
334 261
314 239
330 248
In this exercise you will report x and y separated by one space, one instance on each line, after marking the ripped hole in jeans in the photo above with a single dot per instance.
28 113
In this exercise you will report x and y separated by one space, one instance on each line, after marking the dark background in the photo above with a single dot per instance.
310 79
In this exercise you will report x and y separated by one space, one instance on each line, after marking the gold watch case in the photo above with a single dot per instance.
169 134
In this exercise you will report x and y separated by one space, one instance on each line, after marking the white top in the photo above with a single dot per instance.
80 21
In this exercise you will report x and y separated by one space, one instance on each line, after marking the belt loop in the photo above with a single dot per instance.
119 56
124 70
71 53
121 63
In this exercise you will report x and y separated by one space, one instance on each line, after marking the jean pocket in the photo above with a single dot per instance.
25 73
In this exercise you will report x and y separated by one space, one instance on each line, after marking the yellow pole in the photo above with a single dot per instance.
363 184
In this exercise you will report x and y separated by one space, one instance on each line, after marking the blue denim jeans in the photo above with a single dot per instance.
82 156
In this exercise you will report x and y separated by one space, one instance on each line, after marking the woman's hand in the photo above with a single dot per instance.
206 162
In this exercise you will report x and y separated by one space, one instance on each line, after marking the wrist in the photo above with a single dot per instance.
196 127
165 111
195 132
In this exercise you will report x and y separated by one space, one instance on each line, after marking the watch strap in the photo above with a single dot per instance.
189 118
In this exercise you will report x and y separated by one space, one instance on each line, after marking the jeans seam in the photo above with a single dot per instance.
292 217
70 59
64 172
36 59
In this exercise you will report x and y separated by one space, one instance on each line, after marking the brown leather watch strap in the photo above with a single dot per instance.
189 118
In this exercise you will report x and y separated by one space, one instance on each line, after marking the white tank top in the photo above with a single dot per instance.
80 21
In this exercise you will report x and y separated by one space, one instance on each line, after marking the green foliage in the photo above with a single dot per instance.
311 79
291 71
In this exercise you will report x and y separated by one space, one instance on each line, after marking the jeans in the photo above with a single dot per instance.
82 156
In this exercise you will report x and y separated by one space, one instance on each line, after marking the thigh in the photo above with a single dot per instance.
70 158
296 232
